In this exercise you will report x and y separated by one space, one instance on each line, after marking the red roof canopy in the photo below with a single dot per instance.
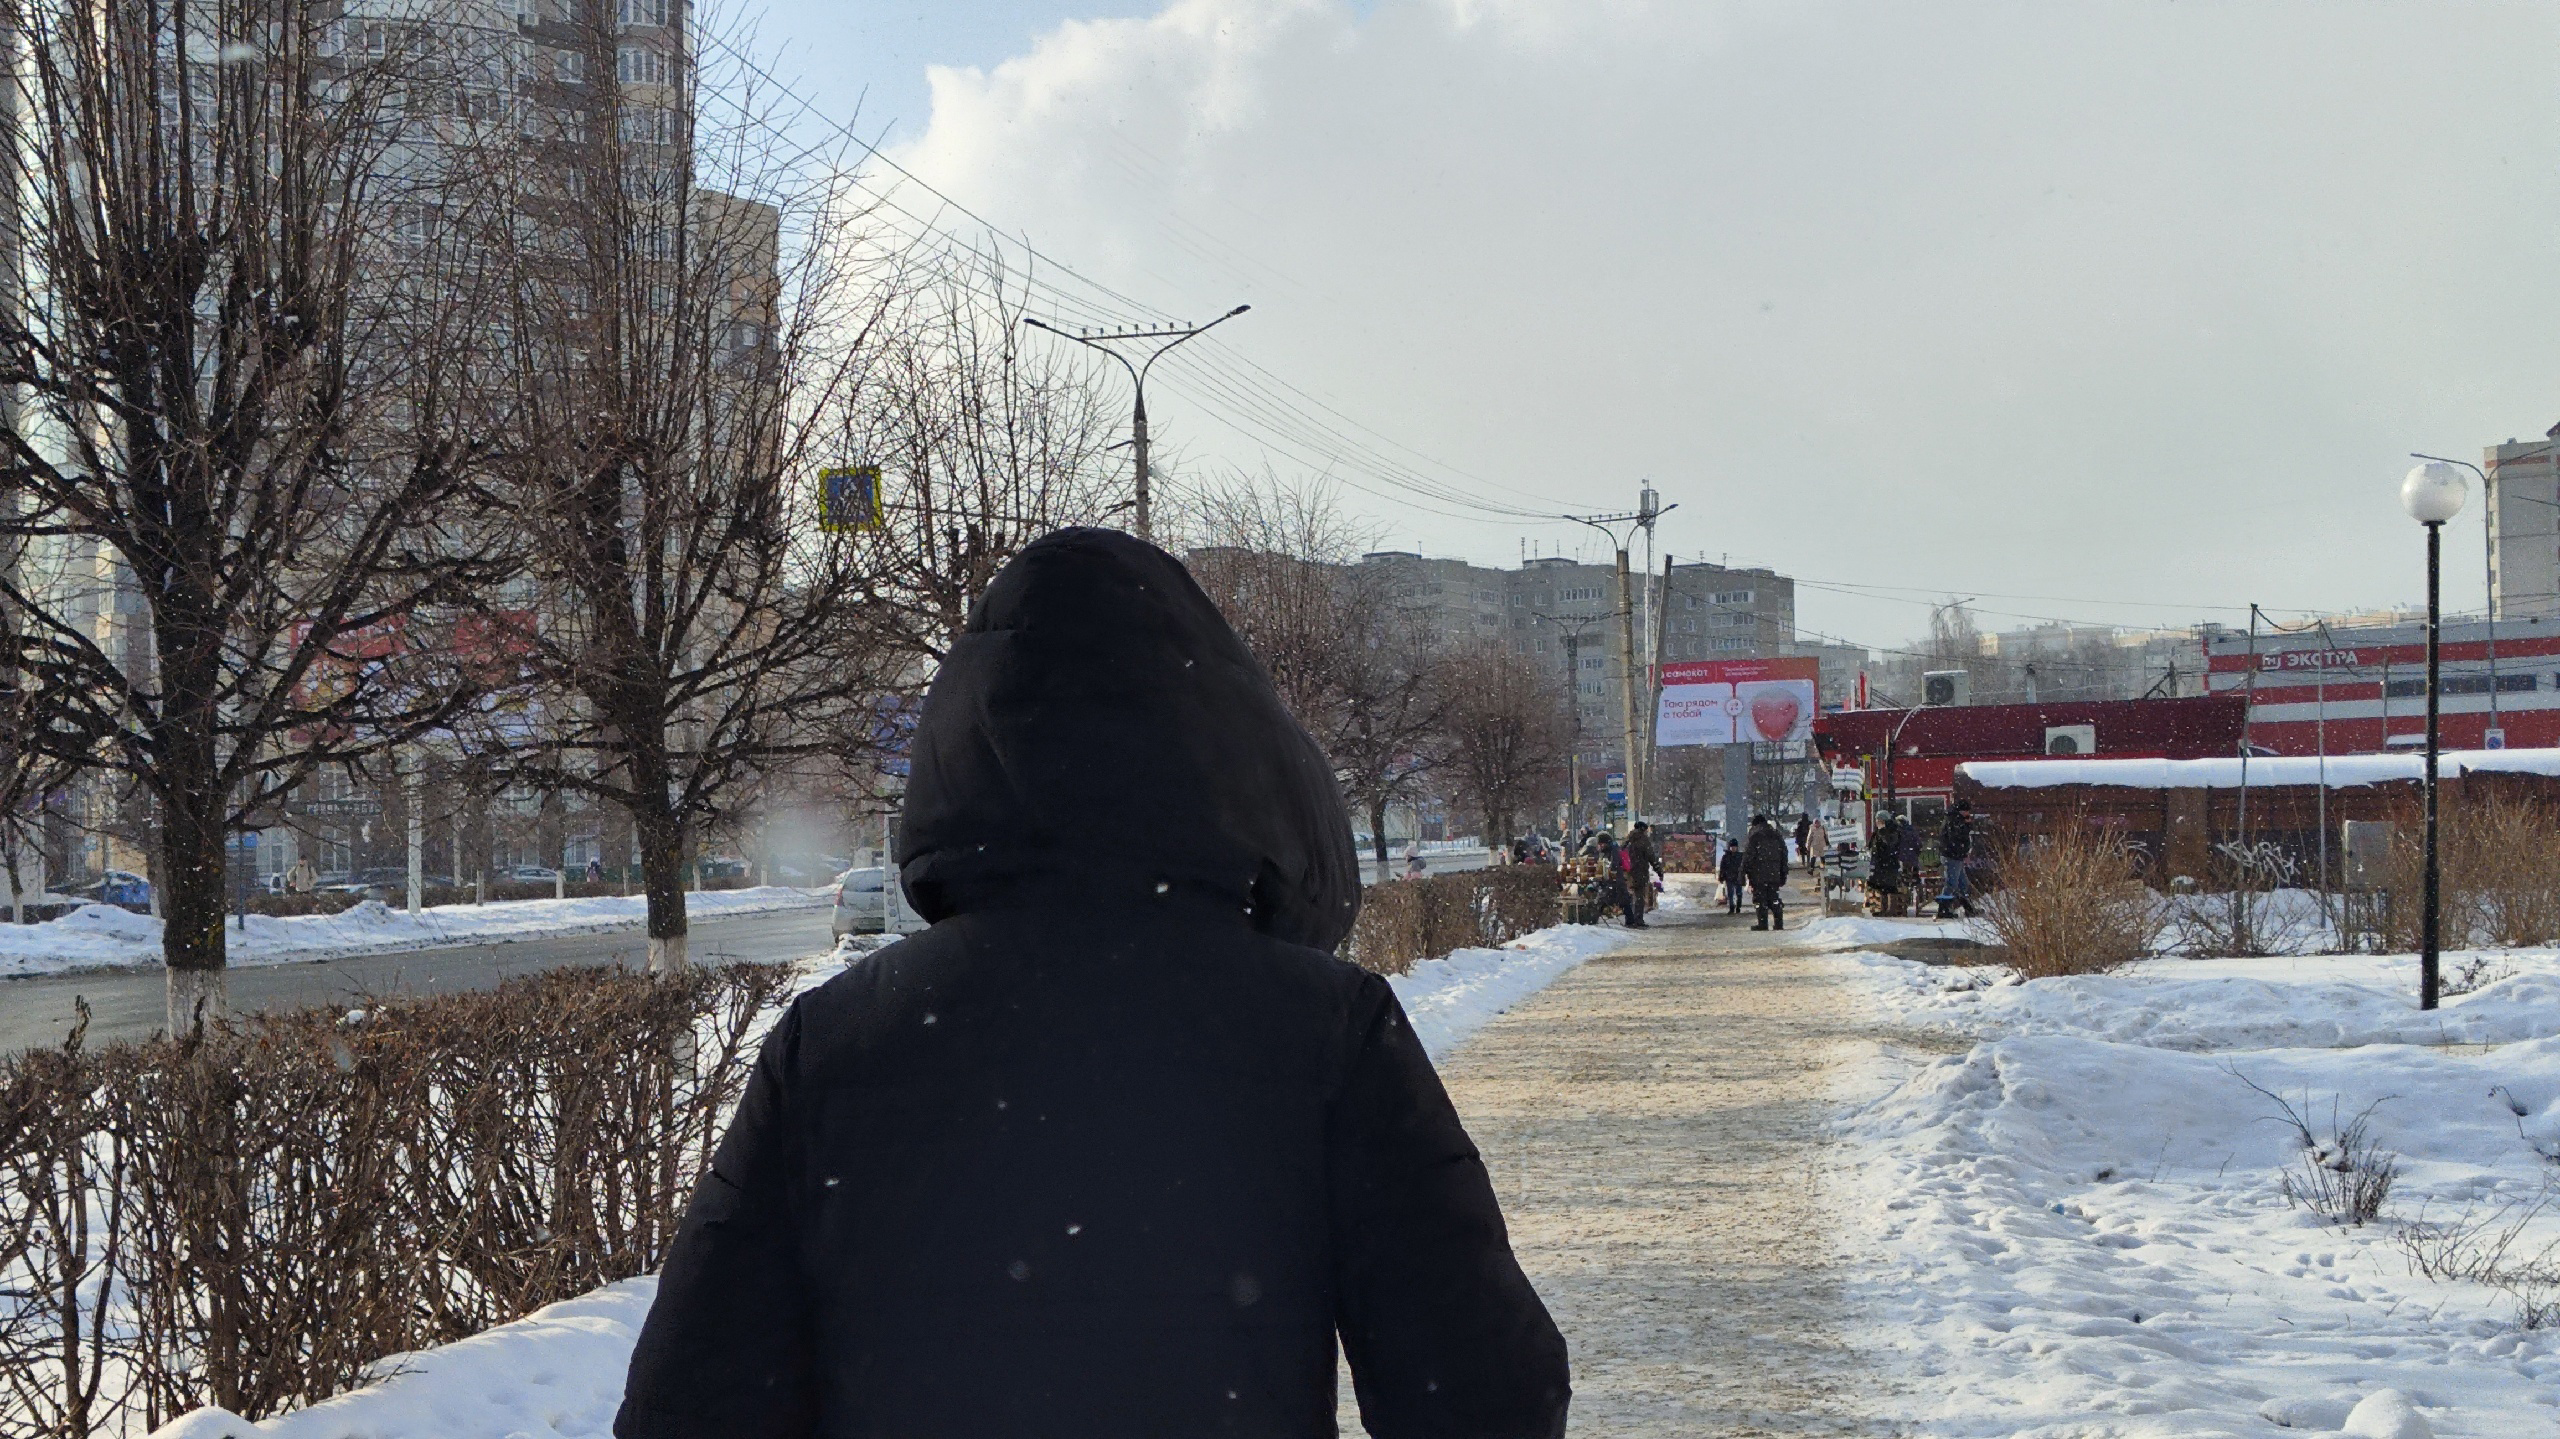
2202 727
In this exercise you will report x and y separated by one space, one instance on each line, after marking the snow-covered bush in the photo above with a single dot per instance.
2072 902
2344 1178
2503 1247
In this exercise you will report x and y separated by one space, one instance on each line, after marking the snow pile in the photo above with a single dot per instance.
2078 1225
1449 999
559 1370
101 936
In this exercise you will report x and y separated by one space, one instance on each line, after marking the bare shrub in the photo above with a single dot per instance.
2072 902
2344 1178
2476 973
258 1214
2491 1247
1403 922
2499 882
2240 915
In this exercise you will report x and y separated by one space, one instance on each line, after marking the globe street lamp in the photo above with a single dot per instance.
2432 494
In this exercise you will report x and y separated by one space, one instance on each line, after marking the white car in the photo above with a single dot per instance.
532 874
862 902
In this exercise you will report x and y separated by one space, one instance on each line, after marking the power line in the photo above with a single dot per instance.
1273 421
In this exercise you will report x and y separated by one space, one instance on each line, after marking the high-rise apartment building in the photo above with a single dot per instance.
2523 502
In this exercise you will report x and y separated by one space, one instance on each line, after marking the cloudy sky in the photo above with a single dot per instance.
2125 312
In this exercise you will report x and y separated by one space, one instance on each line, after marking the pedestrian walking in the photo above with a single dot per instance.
1884 871
1955 847
595 870
1804 839
1116 1146
1413 865
302 878
1729 873
1764 862
1644 862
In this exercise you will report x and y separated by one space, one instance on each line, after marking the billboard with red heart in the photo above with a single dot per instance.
1737 702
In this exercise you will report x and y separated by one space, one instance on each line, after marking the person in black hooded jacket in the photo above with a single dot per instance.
1116 1147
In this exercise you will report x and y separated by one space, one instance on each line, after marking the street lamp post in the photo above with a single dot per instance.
2432 493
1103 341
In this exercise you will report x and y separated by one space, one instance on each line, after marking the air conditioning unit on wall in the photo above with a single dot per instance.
1946 687
2070 739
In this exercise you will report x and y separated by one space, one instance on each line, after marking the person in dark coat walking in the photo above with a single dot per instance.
1955 846
1764 861
1804 840
1884 871
1116 1147
1644 863
1729 874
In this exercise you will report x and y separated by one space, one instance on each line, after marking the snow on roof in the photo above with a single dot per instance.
2341 771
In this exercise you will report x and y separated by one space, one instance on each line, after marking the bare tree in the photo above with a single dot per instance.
230 449
1506 736
1280 563
1359 669
691 343
983 443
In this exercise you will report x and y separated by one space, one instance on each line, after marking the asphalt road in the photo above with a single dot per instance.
132 1003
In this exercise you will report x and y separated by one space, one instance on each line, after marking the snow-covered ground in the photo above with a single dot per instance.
101 936
2077 1225
559 1370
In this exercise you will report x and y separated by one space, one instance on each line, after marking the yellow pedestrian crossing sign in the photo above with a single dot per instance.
849 499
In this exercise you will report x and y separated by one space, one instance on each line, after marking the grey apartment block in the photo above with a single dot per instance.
2524 527
1563 613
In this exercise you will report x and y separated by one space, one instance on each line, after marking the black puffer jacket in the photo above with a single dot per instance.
1764 857
1116 1147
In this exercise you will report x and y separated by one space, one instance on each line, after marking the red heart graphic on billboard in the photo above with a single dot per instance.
1773 713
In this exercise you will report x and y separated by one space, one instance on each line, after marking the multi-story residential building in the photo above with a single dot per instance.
1564 613
2523 504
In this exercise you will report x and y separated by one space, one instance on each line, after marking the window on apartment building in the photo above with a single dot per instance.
643 65
377 40
528 12
1594 662
647 125
644 12
1737 643
569 67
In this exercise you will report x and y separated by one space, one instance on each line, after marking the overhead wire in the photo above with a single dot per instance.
1273 421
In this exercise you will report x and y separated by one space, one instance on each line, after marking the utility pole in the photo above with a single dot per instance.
1649 510
1573 627
1103 341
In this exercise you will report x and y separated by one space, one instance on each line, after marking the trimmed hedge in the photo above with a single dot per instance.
255 1217
1405 921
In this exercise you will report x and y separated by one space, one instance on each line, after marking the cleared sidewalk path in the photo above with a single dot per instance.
1653 1123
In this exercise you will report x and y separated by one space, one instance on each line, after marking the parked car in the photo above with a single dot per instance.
529 874
384 881
862 902
721 866
120 887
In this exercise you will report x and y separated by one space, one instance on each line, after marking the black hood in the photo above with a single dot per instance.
1100 734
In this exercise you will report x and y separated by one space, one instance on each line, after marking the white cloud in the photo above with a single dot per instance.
2127 300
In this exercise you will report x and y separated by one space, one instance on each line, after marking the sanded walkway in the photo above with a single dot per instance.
1653 1124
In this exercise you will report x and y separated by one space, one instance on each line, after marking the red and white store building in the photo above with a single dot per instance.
2357 691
